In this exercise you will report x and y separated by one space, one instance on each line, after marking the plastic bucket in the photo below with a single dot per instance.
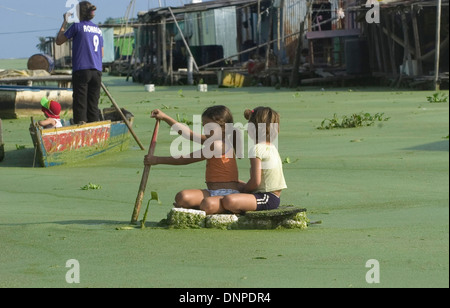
149 87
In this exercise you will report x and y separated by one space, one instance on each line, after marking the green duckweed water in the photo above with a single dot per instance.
385 197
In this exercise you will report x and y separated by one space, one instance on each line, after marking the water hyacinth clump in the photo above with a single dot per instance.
299 221
273 221
221 221
246 223
286 217
180 218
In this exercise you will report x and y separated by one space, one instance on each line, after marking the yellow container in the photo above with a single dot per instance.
233 80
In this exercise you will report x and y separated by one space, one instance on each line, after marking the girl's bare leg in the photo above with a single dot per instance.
212 205
237 203
190 198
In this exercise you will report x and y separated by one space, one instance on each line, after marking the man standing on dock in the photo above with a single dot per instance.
87 54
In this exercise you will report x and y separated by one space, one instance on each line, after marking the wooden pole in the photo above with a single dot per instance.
384 56
294 74
310 42
171 61
145 175
164 45
438 45
417 41
280 53
2 147
407 50
390 42
131 66
1 132
269 36
182 37
374 34
159 46
122 116
259 24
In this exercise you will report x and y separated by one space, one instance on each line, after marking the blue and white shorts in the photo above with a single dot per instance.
222 192
267 201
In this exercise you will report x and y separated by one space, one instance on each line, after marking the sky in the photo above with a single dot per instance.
22 22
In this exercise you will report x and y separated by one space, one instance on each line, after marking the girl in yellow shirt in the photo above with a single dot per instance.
263 190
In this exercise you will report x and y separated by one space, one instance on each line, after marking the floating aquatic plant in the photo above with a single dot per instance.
438 97
154 197
354 120
91 186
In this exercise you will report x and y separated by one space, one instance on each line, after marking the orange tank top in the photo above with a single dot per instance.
221 170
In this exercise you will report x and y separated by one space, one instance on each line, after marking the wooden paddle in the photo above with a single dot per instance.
123 116
145 174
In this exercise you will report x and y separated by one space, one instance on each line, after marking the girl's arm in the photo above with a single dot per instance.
255 175
180 128
159 115
46 122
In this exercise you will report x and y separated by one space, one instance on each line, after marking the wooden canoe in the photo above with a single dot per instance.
74 143
16 101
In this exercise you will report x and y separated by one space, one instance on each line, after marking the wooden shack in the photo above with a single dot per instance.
402 42
292 42
256 37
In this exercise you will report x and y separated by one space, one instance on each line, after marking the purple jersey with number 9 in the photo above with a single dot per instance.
87 46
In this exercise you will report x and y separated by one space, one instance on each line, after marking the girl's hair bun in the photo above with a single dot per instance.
248 114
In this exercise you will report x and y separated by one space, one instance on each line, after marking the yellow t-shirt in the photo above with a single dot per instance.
272 177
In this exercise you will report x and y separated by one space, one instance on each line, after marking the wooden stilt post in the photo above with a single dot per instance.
184 40
391 47
294 74
269 36
407 46
438 45
418 55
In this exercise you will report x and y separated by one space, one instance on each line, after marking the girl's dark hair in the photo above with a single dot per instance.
86 10
219 114
264 115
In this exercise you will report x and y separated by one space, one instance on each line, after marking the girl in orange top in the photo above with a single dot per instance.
221 168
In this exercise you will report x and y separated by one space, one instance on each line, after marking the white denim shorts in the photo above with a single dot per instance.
222 192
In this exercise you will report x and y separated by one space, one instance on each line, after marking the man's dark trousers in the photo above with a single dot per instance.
86 94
